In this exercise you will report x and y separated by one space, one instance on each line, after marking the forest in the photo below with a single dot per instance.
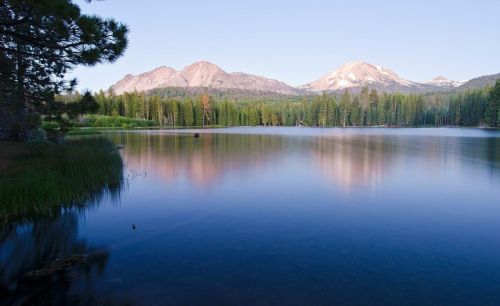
471 108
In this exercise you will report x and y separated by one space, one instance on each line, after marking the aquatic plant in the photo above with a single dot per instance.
41 178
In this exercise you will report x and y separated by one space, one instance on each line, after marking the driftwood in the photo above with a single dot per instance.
55 267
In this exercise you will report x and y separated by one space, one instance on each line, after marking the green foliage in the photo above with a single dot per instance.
493 106
50 125
368 108
40 41
40 177
83 131
98 121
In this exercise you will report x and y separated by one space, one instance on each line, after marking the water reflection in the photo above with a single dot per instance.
363 161
203 161
37 237
348 161
31 246
351 161
243 217
238 217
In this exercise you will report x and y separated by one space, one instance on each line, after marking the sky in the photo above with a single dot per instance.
298 41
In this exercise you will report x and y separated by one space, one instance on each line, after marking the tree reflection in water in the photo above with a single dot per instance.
348 161
32 245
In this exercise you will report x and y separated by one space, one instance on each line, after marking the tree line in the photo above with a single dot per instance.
478 107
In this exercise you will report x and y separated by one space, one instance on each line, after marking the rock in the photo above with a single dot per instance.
55 267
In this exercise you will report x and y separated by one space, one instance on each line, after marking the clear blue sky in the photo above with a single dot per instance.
298 41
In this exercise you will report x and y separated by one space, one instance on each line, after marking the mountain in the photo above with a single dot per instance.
356 75
205 76
480 82
200 74
443 83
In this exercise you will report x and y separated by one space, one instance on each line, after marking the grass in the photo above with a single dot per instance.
94 124
98 121
50 125
83 131
37 179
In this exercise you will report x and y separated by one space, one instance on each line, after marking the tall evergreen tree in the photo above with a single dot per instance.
40 41
493 107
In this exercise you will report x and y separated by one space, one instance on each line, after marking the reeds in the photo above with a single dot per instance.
41 178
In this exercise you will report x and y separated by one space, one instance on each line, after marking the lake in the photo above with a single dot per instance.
281 216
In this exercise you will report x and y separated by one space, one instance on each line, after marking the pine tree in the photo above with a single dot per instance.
345 102
493 106
40 41
188 113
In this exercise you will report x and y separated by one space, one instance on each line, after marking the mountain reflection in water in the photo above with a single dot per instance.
345 160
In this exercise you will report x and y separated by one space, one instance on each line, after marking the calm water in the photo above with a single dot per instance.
282 216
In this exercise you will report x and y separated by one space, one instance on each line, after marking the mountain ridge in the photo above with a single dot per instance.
482 81
199 74
352 76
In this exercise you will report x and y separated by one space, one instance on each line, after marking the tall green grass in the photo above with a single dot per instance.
83 131
116 122
41 178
